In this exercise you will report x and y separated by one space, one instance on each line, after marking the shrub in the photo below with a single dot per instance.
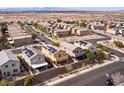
6 83
118 44
30 80
54 43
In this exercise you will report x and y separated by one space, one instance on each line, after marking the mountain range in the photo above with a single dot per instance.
60 9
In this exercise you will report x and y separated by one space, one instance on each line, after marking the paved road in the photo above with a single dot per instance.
109 35
40 36
95 77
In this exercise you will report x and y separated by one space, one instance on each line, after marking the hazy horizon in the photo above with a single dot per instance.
61 9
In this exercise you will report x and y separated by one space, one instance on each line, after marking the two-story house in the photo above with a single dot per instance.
71 49
55 55
9 64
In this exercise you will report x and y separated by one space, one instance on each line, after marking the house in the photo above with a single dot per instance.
98 26
80 31
33 58
71 49
20 40
116 31
45 24
9 64
18 36
65 26
85 45
112 31
68 26
119 21
61 32
55 55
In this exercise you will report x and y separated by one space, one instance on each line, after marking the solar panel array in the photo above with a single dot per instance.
83 43
28 52
51 49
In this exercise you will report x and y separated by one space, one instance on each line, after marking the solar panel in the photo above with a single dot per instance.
28 52
25 50
51 49
83 43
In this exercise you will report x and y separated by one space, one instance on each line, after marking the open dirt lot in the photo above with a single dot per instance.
64 15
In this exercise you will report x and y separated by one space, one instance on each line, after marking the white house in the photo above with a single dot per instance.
112 31
61 32
9 64
33 58
82 31
85 45
71 49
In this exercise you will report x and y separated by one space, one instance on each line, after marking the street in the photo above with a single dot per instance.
94 77
40 36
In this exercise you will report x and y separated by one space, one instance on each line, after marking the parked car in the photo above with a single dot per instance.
109 80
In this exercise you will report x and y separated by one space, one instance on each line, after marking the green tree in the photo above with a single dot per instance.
59 20
100 54
30 80
34 35
90 55
3 28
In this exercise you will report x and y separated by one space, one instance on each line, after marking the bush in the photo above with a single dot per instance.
34 35
99 46
102 47
118 44
54 43
6 83
59 20
90 55
30 80
100 54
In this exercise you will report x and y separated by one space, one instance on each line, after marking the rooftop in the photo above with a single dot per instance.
83 43
32 53
51 49
61 30
7 55
16 32
81 29
68 45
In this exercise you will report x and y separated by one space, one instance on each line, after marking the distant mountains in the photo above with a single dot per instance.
63 9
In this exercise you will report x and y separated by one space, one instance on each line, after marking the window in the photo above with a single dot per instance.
59 55
4 73
8 73
77 51
13 65
6 66
15 70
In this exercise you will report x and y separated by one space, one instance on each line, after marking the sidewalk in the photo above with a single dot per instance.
121 84
82 72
